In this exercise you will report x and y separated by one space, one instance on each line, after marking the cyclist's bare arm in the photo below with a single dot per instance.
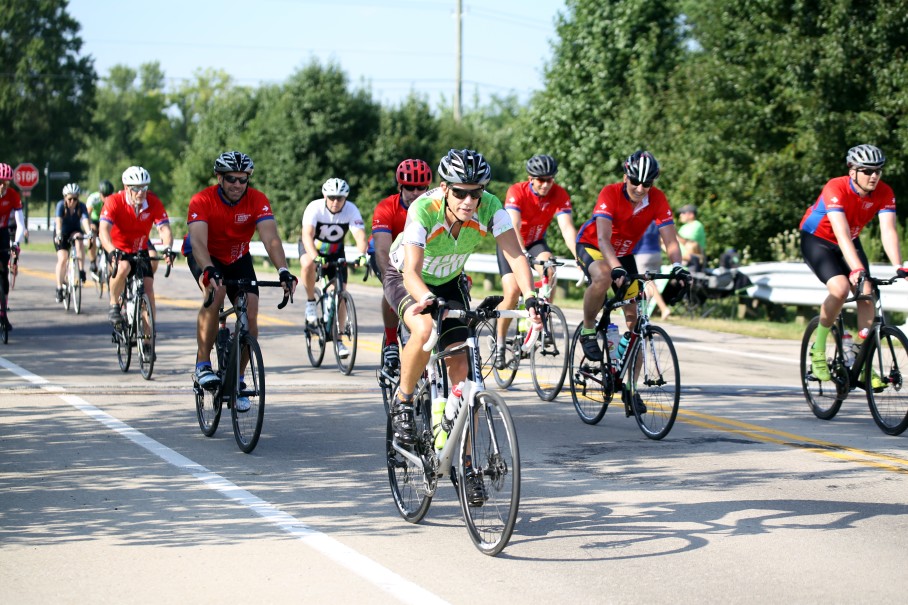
309 241
604 234
843 235
568 231
412 274
890 238
516 220
669 236
167 239
359 236
271 239
104 234
383 243
510 246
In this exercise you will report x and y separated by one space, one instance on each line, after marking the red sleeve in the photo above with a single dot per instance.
383 218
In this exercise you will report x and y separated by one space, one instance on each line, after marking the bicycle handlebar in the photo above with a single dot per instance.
245 284
484 311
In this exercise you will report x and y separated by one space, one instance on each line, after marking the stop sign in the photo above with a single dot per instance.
25 176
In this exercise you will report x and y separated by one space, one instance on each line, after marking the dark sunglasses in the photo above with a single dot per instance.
462 194
870 171
544 179
242 180
414 187
636 182
335 198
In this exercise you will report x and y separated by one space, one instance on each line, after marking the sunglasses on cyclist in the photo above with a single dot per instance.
414 187
462 194
544 179
138 189
242 180
335 198
71 198
870 171
637 182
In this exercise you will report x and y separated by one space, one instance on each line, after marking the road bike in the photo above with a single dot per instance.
883 356
72 280
12 268
646 374
138 328
481 446
102 263
336 319
240 368
547 352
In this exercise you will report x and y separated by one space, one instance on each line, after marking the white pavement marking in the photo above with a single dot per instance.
382 577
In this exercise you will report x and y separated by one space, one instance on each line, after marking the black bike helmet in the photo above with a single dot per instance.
233 161
641 166
465 166
106 188
542 165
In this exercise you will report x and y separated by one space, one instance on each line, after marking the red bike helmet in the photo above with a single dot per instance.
414 172
6 172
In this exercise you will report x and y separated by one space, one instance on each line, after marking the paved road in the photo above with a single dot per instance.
109 493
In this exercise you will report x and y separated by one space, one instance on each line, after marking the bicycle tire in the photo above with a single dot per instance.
823 397
888 357
145 337
4 334
408 481
504 378
102 263
657 382
208 404
549 358
346 334
76 292
315 334
247 426
386 382
67 297
123 340
590 390
492 439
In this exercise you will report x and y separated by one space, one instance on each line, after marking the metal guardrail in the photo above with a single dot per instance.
780 283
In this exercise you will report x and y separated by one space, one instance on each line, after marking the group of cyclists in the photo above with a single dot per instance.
422 237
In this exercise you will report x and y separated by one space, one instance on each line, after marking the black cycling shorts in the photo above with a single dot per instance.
453 331
587 255
825 259
535 249
239 269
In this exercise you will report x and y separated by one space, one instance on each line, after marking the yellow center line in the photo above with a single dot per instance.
767 435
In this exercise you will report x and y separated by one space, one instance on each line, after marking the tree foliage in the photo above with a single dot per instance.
46 88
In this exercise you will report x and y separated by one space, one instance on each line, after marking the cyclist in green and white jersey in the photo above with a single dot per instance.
444 226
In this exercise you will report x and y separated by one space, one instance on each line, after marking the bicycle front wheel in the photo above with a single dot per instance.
654 379
247 423
549 359
121 338
408 480
505 376
485 337
345 334
590 388
145 337
75 290
315 335
489 474
889 399
823 397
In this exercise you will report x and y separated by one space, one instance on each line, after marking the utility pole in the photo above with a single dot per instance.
458 89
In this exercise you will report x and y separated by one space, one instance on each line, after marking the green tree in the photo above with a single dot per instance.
46 88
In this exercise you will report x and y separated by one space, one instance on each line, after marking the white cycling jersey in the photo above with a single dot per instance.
330 229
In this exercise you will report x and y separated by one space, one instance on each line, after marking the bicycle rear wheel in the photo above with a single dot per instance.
408 480
505 377
491 443
549 358
889 360
247 426
655 378
823 397
591 391
345 335
145 337
315 334
121 338
208 404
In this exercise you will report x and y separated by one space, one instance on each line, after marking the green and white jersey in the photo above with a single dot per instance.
446 255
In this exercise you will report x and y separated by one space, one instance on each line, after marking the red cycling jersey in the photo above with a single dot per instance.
840 195
129 232
390 216
628 224
536 212
230 228
9 203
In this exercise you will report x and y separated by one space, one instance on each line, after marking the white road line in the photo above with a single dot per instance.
371 571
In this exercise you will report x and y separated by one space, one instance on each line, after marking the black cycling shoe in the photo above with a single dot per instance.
402 421
591 347
637 402
59 295
114 317
475 490
499 361
4 321
82 276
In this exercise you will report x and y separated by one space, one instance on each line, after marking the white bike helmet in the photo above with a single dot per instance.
865 156
72 189
336 186
136 176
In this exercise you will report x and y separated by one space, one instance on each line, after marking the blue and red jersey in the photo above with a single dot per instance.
840 195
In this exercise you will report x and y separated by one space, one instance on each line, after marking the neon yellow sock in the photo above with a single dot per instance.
822 334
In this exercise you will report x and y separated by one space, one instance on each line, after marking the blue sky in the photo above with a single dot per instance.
393 46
